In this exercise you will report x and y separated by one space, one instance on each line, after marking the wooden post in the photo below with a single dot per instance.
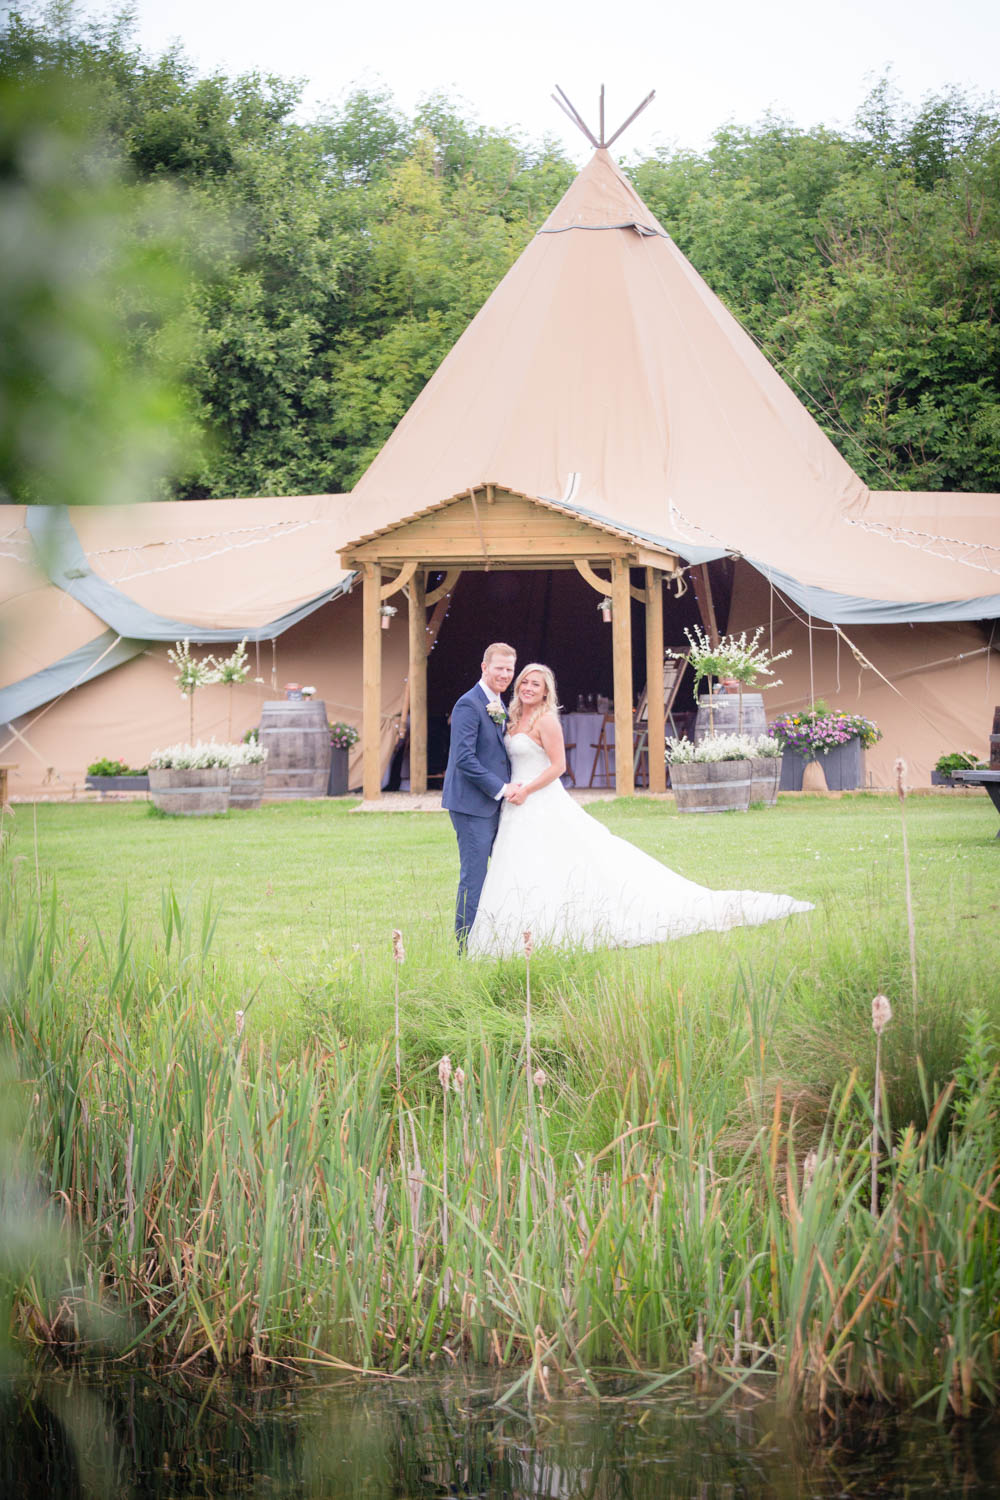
371 658
418 682
706 604
621 626
655 716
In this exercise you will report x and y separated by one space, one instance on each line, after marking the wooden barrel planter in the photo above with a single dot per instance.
296 736
191 793
711 786
720 714
765 773
246 785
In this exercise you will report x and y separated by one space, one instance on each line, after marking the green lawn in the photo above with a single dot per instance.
300 877
306 896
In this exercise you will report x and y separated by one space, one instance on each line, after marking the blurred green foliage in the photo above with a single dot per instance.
94 286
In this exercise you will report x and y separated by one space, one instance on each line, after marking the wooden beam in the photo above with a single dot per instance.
371 658
445 587
706 604
399 582
603 585
479 528
586 572
649 557
621 627
655 716
418 682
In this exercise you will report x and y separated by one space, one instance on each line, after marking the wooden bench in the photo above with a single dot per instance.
989 779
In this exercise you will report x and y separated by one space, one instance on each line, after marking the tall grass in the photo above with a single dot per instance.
230 1200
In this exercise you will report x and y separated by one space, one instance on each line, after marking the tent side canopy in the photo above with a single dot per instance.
87 587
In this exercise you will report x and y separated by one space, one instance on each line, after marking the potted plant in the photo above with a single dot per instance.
107 775
946 765
342 737
192 780
604 608
737 661
247 774
713 774
386 611
819 731
765 770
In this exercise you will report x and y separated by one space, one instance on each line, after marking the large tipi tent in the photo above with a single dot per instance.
602 379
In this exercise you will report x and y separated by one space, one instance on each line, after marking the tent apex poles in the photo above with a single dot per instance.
567 106
599 141
633 116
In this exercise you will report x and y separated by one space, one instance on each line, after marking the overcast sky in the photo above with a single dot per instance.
709 63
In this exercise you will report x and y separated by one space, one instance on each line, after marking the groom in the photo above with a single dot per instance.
476 780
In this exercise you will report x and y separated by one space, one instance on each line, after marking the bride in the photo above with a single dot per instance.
560 874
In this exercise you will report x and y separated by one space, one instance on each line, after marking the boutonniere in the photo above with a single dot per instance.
496 711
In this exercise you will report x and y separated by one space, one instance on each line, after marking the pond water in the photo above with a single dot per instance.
123 1437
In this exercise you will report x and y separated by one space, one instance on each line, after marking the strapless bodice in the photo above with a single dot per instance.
527 757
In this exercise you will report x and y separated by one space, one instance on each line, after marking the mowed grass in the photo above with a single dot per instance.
300 901
303 876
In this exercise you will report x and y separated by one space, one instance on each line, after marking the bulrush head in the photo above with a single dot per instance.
398 951
899 767
881 1014
444 1072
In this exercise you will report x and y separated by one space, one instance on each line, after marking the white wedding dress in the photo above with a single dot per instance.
559 873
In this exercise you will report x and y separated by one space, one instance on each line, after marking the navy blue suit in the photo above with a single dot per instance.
478 769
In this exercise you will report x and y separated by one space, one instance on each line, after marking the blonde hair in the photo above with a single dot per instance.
498 648
549 704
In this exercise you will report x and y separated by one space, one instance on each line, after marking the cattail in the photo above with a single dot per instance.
444 1072
899 768
540 1078
528 946
241 1017
398 955
809 1170
458 1080
881 1014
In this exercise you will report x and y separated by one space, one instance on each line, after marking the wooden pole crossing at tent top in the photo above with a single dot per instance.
569 108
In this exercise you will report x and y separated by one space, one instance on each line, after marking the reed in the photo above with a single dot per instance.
232 1203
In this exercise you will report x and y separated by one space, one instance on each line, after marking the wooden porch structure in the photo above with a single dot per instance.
490 528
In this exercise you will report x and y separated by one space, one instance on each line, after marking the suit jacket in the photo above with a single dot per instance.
478 765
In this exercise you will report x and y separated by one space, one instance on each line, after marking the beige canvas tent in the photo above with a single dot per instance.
602 383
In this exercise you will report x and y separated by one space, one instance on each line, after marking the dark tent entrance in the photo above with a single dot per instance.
547 616
530 572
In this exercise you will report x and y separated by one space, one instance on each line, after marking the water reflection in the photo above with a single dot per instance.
122 1438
